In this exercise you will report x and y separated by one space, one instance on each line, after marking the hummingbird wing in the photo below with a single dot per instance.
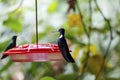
62 51
65 50
10 45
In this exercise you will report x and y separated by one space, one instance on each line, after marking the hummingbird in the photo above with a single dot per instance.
11 45
62 44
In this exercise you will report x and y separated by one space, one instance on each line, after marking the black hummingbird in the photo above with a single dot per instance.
12 44
62 44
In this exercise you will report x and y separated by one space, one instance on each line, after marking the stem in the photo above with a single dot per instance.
111 38
90 12
88 35
105 19
80 14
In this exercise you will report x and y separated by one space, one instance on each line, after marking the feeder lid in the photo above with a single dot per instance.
33 48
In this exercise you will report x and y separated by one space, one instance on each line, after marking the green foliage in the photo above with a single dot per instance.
53 6
14 24
9 63
37 70
75 67
14 21
66 76
3 45
47 78
112 79
75 37
117 48
7 1
4 1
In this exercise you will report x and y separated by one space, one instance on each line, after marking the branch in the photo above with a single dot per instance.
105 19
80 14
87 33
89 41
90 12
111 38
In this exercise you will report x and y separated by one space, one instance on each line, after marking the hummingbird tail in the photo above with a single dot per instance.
4 56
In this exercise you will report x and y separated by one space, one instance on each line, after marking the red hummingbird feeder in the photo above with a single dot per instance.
35 52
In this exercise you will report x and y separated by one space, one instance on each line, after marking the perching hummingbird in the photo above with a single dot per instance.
62 44
12 44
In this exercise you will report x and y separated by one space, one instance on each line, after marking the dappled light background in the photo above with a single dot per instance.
92 33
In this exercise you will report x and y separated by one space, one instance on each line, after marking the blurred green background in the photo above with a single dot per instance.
88 47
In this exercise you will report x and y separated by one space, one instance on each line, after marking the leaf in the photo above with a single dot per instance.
53 6
3 45
75 67
47 78
14 24
93 49
66 77
96 62
5 1
48 68
112 79
117 48
76 52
